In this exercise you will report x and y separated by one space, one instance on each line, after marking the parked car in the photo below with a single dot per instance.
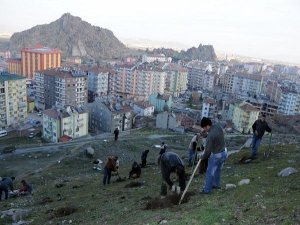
31 135
39 114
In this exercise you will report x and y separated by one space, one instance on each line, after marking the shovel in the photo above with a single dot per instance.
191 178
267 154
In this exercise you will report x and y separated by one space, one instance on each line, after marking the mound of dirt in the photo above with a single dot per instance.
64 211
134 184
121 179
46 200
167 202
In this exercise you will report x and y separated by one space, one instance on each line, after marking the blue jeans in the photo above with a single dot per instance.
255 144
107 176
213 173
191 156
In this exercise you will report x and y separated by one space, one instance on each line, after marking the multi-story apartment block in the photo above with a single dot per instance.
107 116
13 100
209 108
35 59
69 121
98 82
244 115
289 101
176 79
60 87
137 81
196 71
242 84
273 91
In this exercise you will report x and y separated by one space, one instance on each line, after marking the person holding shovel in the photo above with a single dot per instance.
169 163
216 153
111 165
259 127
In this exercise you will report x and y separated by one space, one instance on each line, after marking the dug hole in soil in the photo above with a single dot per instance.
61 212
167 202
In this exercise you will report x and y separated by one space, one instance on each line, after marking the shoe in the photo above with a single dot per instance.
204 192
216 187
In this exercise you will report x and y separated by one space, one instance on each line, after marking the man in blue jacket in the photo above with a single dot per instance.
259 127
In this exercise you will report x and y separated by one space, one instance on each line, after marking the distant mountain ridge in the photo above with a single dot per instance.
73 36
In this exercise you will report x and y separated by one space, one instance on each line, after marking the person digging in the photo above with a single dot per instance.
170 162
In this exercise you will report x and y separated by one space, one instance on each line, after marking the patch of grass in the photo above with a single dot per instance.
268 199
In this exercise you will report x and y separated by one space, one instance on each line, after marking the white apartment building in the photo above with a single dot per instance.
13 100
70 121
209 108
196 73
289 102
98 82
143 109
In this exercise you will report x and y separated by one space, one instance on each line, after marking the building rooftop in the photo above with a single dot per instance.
248 107
4 76
41 49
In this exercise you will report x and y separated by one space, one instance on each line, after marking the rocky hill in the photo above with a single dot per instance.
203 53
73 36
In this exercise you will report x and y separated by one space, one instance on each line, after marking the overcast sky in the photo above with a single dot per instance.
258 28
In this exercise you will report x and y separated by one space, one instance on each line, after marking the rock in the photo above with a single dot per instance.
230 186
287 171
163 222
244 181
16 214
89 151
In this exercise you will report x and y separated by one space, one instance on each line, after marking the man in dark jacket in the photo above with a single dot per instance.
110 166
144 158
116 133
259 127
170 162
135 170
5 184
216 153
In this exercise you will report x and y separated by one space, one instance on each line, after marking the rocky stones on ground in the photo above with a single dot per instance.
230 186
89 152
244 181
287 171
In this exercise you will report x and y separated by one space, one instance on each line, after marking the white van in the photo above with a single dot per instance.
3 133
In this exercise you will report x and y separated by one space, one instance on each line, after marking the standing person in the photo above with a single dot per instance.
163 148
5 184
169 163
116 133
192 148
215 147
110 166
259 127
144 158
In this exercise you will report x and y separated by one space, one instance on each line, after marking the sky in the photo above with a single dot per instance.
268 29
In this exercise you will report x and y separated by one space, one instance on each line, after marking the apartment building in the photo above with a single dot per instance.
106 116
209 108
35 59
143 109
61 87
71 122
161 102
176 79
289 101
242 84
98 82
244 115
13 100
196 72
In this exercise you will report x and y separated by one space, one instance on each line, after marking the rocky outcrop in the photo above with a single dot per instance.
73 36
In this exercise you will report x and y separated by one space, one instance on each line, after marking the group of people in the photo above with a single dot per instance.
6 187
213 156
